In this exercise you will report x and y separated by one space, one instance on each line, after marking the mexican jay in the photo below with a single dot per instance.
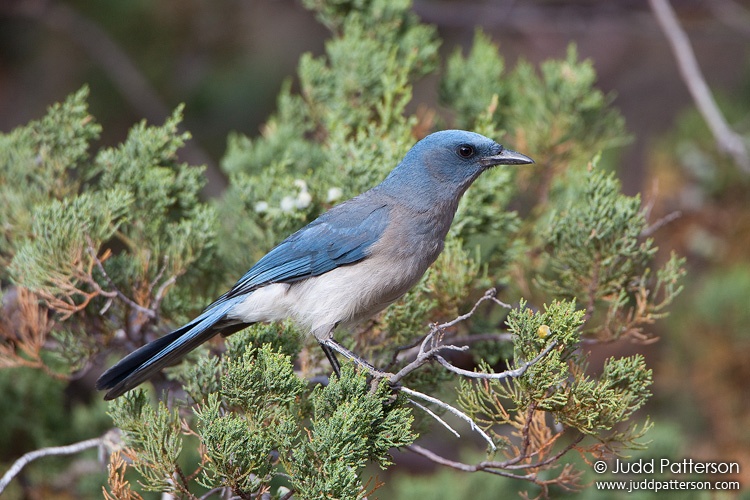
347 264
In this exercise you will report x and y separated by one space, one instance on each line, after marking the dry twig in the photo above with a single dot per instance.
727 139
19 464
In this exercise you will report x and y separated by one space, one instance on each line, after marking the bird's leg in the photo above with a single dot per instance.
331 358
329 345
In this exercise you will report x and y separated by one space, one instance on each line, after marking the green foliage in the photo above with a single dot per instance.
63 232
558 383
541 386
342 135
471 95
604 225
251 430
559 115
262 391
37 163
156 434
595 253
113 231
329 461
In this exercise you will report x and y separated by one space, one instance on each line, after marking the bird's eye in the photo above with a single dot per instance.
465 151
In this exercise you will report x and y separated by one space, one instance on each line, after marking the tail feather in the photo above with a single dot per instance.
142 363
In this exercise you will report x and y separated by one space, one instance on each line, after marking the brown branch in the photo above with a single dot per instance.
26 331
727 139
525 434
499 468
289 494
99 265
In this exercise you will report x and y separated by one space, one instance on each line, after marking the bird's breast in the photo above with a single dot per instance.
354 292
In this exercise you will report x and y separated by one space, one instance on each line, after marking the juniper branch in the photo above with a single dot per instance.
19 464
496 376
130 302
499 468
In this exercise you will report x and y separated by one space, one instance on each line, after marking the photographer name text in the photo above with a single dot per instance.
667 466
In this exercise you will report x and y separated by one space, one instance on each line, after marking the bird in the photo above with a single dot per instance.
343 267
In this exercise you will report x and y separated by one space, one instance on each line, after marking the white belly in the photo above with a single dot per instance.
345 295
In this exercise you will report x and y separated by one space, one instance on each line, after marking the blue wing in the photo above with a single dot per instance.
339 237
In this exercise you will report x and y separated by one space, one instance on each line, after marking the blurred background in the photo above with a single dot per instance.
227 60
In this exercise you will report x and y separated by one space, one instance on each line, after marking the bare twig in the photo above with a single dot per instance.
488 295
496 376
159 296
499 468
19 464
650 230
92 251
727 139
435 416
455 411
434 457
353 357
427 350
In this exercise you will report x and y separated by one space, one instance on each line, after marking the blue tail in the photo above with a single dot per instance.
140 364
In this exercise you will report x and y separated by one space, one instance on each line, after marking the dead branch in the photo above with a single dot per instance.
455 411
496 376
429 348
19 464
23 337
503 468
727 139
99 265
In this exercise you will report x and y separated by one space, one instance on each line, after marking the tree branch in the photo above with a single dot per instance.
19 464
92 251
496 376
455 411
428 350
498 468
436 417
727 140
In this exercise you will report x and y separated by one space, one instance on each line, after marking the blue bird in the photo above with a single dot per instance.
346 265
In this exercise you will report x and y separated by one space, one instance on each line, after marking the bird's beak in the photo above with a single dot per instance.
506 157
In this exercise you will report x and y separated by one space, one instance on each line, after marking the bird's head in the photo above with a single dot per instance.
444 164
